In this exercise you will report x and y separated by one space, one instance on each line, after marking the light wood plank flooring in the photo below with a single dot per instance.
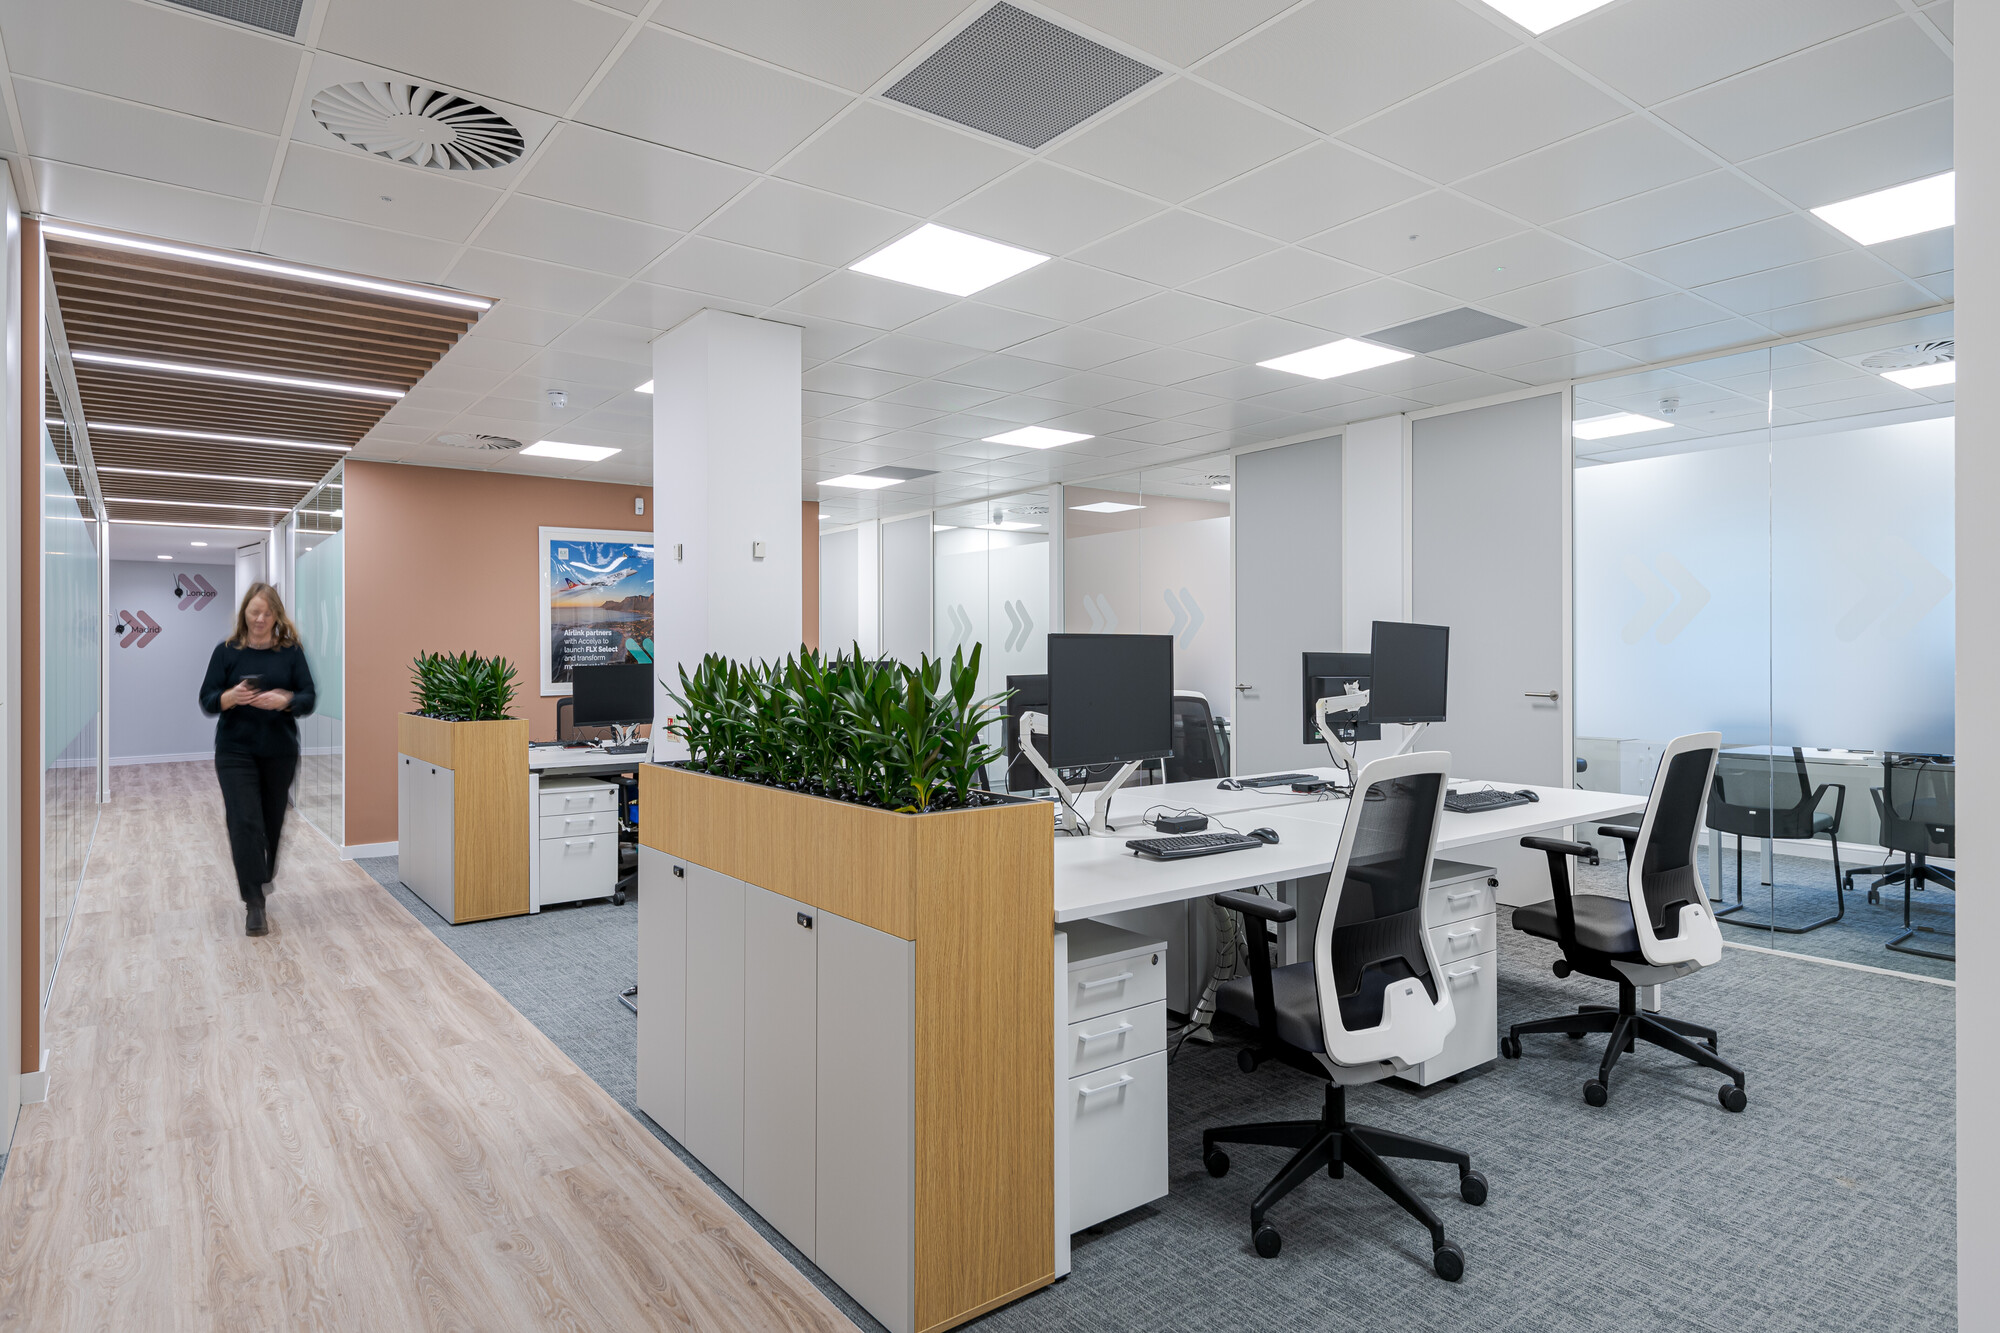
338 1126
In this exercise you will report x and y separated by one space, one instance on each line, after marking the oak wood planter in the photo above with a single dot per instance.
463 842
790 948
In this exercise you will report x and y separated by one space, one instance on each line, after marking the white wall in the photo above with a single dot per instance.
906 588
1977 486
839 589
1134 571
1374 527
155 717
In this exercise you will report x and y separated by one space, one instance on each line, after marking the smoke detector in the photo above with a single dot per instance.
418 124
1670 404
1910 357
498 444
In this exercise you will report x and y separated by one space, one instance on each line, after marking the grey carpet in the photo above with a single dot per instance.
1829 1203
1804 892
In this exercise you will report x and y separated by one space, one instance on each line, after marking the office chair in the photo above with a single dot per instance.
1918 806
1197 741
1368 1005
1762 796
567 730
1661 929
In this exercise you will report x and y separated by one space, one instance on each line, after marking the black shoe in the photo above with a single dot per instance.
254 921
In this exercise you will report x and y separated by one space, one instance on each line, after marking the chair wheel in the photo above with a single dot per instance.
1560 967
1268 1241
1596 1093
1574 1036
1217 1163
1472 1188
1732 1097
618 898
1247 1061
1449 1261
1510 1046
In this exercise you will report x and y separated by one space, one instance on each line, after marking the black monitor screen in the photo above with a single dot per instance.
1111 698
620 694
1409 671
1328 674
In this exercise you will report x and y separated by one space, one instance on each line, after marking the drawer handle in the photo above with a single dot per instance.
1105 981
577 842
1462 897
1454 935
1085 1094
1462 975
1084 1038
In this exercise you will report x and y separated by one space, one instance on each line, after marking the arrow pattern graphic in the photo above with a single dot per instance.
138 628
1674 597
961 625
193 590
1023 626
1901 588
1103 620
1187 615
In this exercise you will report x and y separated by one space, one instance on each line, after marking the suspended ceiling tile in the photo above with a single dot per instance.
1641 319
1414 232
738 272
609 340
1794 284
859 298
986 327
1169 317
1592 361
1486 271
106 200
1174 248
1066 291
856 382
942 396
1359 311
658 308
1012 374
558 233
907 355
790 219
135 140
1854 79
897 416
1730 254
1280 279
570 291
1178 31
1178 142
1244 382
1331 63
482 351
1321 186
1941 14
560 369
1577 294
538 53
1651 50
1048 209
615 173
1874 303
312 238
1163 432
824 339
899 159
1512 349
1088 390
851 45
1904 147
1254 340
1079 347
1693 341
673 91
1166 365
1919 256
1163 402
360 187
1699 207
1615 161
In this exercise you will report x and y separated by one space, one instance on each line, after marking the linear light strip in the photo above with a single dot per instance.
239 376
169 523
167 432
225 259
195 504
199 476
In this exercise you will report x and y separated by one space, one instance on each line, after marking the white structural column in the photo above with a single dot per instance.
726 481
1977 487
1374 527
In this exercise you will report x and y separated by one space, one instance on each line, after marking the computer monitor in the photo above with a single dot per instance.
1030 695
1111 698
1326 675
618 694
1408 672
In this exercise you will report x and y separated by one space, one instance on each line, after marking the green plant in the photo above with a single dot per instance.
907 738
462 687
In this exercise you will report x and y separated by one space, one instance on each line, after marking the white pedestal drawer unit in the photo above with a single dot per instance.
1115 1108
1460 915
576 826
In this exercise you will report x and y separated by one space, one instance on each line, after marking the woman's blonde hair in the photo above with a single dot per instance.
284 634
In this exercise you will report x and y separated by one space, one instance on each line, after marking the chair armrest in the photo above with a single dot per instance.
1563 847
1559 851
1625 833
1257 905
1839 801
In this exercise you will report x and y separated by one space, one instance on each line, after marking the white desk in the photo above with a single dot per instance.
558 760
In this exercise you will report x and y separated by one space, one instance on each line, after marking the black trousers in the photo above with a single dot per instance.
254 787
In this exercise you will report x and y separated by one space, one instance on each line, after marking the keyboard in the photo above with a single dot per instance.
1276 780
1476 802
636 747
1192 844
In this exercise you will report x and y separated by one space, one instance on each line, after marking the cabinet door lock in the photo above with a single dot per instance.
806 920
680 872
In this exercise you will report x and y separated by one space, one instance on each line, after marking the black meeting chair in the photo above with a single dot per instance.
567 730
1661 928
1198 752
1918 805
1769 796
1369 1005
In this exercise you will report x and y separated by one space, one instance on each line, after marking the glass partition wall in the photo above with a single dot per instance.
991 584
1763 548
318 599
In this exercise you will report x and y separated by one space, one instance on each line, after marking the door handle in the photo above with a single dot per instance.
1550 695
1246 687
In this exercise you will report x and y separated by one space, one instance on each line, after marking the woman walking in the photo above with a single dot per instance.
257 686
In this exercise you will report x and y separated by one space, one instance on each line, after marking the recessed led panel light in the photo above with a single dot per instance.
1105 507
1218 486
252 264
856 481
1925 377
647 387
197 543
165 432
237 376
1330 360
1538 16
581 453
1037 437
1618 423
1901 210
947 261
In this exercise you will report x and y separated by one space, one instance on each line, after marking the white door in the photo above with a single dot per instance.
1287 596
663 990
780 1056
1489 552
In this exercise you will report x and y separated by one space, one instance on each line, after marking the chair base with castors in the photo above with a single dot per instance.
1914 873
1331 1144
1628 1025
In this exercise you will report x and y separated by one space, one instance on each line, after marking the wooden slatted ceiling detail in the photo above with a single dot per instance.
166 309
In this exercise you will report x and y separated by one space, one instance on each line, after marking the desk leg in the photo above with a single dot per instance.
1059 1105
1714 865
534 832
1770 877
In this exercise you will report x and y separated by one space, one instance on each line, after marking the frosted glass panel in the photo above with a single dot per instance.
990 586
319 609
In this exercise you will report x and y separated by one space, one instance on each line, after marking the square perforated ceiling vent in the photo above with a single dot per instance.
279 16
1020 78
1453 328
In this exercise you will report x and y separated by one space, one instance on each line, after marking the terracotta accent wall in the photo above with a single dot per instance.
809 545
444 560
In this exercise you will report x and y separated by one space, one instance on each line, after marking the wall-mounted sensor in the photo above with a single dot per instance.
638 504
677 551
756 550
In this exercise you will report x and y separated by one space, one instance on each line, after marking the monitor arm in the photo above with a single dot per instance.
1353 701
1037 724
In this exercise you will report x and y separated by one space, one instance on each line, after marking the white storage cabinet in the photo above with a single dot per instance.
1464 925
577 839
426 832
1114 1108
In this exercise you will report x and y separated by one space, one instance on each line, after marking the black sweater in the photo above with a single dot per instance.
245 728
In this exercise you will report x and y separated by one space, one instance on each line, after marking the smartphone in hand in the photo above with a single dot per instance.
255 683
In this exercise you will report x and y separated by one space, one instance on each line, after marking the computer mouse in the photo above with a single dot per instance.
1530 795
1267 836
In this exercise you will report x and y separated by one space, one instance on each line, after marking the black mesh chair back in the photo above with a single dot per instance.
1919 805
1665 855
1197 742
567 730
1762 796
1377 931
